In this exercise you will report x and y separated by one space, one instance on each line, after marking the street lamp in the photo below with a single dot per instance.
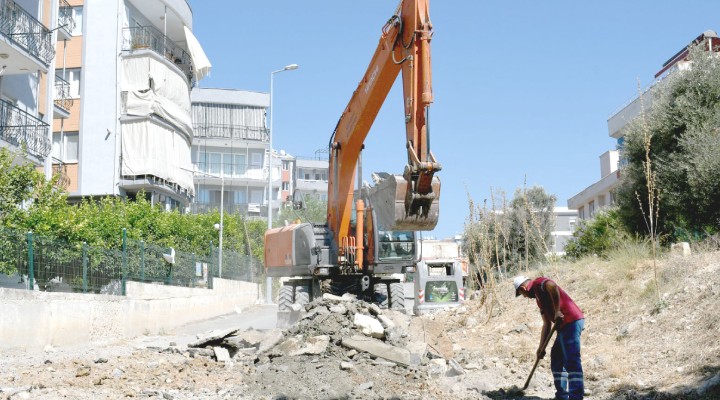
218 227
270 135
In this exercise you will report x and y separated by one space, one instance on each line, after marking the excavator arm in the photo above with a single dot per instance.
408 202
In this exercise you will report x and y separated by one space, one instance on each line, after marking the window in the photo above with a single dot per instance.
72 76
285 165
240 197
256 195
591 208
203 196
65 146
77 14
256 160
286 186
215 160
240 164
581 212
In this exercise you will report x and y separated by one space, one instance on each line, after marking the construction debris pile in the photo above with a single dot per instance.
350 342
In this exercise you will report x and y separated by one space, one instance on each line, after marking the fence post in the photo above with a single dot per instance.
85 267
193 269
31 261
124 261
142 261
210 268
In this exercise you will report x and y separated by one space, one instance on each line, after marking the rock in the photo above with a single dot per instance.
101 360
369 326
338 309
344 365
295 346
364 386
471 322
82 371
49 349
437 367
681 249
374 309
117 373
271 339
708 385
351 353
221 354
345 297
248 338
454 369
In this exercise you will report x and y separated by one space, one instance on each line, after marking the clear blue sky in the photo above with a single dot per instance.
522 89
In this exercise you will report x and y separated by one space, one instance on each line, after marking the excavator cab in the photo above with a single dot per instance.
395 246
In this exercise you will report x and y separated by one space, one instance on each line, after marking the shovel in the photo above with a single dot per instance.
537 359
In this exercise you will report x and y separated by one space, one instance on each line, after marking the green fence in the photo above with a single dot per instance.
50 264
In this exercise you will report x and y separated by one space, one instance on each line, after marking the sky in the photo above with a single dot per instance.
522 89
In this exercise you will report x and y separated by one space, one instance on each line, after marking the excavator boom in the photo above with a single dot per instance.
410 201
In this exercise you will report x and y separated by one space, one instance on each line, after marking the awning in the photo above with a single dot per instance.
201 64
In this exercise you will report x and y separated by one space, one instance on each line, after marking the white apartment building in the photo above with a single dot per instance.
28 29
230 153
311 175
129 66
601 193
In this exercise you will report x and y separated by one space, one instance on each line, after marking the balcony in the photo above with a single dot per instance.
66 21
230 171
22 31
252 209
222 131
23 130
149 38
60 169
62 99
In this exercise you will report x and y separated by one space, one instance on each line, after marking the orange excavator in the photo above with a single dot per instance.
369 235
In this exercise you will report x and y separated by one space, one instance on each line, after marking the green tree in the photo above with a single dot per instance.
684 123
598 235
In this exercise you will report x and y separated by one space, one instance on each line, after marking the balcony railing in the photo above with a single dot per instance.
149 38
62 94
21 129
65 16
243 132
229 170
242 208
60 169
21 28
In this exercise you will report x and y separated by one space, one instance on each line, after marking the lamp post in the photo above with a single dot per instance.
218 227
270 135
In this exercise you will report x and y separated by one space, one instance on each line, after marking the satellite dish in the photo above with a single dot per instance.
170 257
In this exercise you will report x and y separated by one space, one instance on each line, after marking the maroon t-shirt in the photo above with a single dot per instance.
567 306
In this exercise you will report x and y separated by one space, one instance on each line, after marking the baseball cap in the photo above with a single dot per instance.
519 280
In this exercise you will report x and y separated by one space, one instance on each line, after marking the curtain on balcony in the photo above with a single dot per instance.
152 149
200 62
153 88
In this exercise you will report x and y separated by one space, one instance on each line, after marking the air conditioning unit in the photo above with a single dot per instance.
254 207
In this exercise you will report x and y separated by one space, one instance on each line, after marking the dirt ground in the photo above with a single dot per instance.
634 347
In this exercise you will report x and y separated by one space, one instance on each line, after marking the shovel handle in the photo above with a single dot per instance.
537 359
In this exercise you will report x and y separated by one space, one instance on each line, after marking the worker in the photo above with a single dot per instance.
556 307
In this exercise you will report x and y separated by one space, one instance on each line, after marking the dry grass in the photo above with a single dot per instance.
631 340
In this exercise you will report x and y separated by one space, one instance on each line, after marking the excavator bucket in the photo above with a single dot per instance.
399 209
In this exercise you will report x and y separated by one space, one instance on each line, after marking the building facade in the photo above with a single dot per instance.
28 32
311 175
230 153
128 67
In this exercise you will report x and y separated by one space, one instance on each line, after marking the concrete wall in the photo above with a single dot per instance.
33 319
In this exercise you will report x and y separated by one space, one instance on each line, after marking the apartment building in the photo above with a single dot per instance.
230 153
311 175
601 193
128 67
27 58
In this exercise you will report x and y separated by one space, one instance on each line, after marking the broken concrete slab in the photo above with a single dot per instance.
344 297
211 337
380 349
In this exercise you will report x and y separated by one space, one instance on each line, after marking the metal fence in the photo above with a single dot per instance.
50 264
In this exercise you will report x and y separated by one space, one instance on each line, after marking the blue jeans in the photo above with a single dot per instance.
565 362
